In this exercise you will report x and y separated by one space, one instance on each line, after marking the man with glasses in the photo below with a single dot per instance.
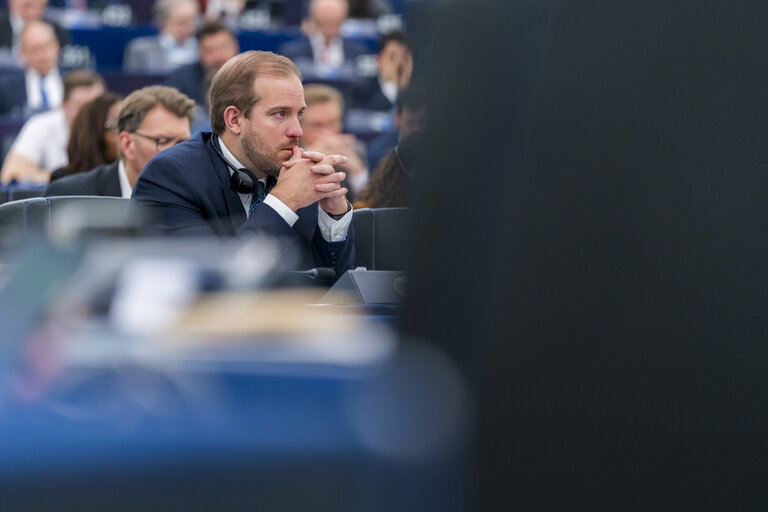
150 120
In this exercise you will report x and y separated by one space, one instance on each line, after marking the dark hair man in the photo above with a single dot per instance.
150 120
249 176
394 67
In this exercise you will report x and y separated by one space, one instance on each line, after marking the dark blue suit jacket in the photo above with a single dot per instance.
367 95
103 180
300 52
189 80
186 190
13 93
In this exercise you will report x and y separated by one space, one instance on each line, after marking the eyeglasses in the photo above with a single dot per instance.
160 142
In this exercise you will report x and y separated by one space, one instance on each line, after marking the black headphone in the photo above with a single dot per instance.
242 180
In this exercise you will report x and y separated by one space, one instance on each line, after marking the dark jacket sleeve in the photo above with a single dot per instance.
180 203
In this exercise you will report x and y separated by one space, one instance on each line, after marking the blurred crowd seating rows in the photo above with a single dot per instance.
100 30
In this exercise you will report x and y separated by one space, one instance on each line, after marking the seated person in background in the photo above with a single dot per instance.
19 13
92 136
410 115
215 46
391 184
394 65
174 46
150 120
249 177
38 86
323 52
322 126
41 146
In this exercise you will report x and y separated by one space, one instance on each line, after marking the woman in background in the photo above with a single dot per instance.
93 136
391 183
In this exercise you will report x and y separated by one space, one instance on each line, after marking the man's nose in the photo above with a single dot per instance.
294 130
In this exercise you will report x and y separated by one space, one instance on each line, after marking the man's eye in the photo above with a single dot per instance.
280 114
164 141
301 115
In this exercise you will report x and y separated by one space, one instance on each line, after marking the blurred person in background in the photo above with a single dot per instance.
174 46
41 146
93 136
322 125
392 183
394 65
215 46
324 51
150 120
410 116
21 12
38 86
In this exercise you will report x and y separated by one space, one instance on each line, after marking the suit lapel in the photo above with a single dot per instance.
109 181
235 210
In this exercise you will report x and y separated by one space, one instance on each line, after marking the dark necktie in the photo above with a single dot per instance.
43 96
257 197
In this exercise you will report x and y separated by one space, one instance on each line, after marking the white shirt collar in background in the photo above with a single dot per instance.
125 186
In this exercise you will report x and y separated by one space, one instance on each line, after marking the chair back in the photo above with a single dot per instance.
380 241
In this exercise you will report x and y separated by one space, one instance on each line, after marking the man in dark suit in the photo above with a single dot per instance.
394 65
38 86
21 12
324 52
215 46
249 176
150 120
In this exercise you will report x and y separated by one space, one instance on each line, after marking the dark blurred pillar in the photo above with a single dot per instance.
593 246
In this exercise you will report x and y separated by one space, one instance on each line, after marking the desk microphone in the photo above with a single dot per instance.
322 274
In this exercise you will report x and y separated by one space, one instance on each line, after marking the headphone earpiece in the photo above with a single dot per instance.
242 180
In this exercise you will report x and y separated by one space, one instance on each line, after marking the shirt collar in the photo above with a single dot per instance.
228 156
125 185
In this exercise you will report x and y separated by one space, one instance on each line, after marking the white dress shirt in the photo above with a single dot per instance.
178 54
43 140
331 230
125 186
327 58
54 89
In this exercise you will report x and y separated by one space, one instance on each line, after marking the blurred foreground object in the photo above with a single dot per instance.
137 375
613 212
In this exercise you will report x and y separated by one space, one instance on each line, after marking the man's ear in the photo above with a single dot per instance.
125 145
232 119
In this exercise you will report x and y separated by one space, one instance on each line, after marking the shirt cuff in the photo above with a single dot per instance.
333 230
282 210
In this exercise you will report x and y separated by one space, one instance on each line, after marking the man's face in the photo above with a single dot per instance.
393 60
319 119
28 10
181 21
328 17
159 130
39 48
216 49
273 129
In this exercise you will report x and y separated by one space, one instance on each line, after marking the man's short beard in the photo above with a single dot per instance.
260 162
